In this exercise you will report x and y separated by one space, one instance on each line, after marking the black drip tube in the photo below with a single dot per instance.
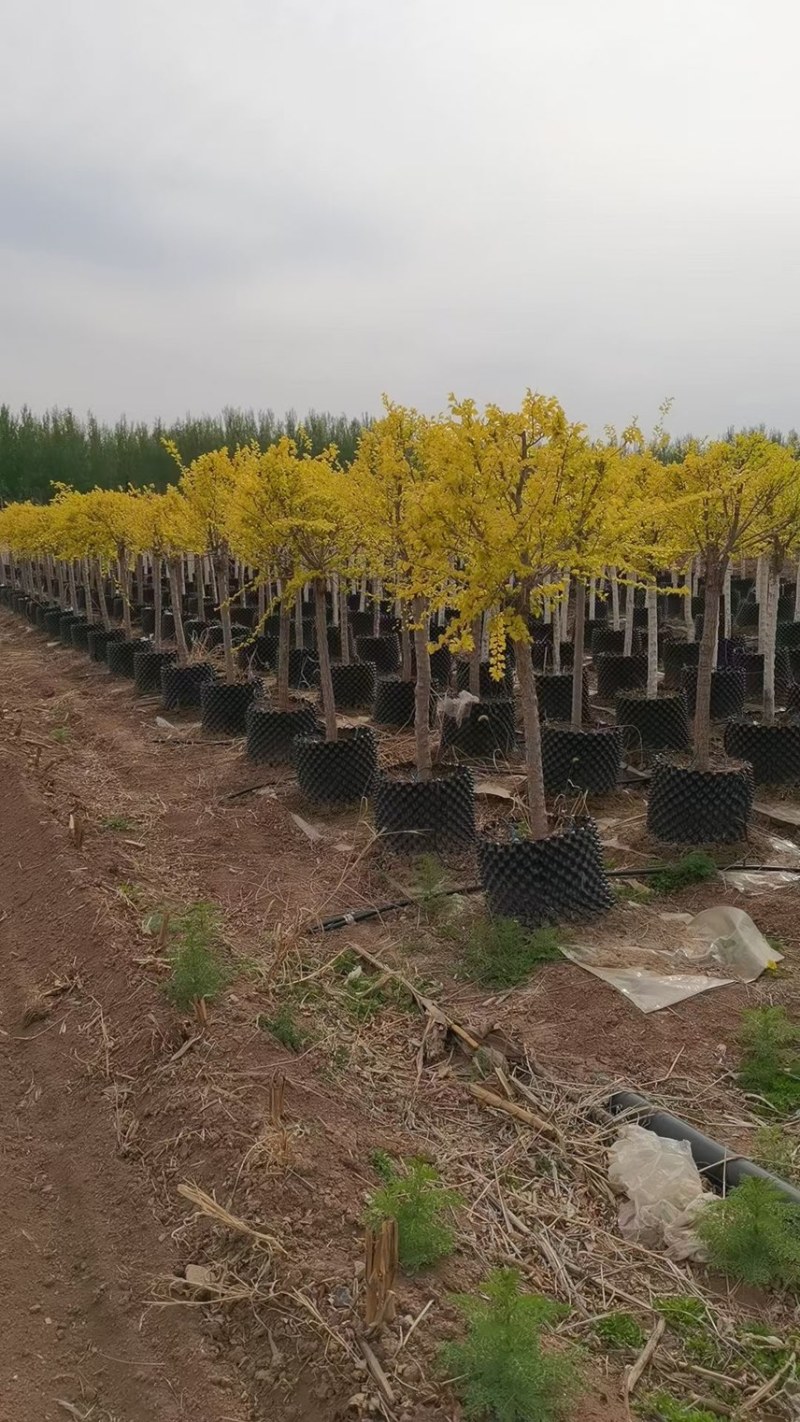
720 1166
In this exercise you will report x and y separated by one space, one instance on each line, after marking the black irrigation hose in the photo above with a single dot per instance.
722 1167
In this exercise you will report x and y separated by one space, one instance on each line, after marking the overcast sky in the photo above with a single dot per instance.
307 202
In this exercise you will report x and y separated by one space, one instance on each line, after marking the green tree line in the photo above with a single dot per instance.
58 446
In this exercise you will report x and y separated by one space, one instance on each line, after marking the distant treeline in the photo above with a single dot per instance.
60 447
38 450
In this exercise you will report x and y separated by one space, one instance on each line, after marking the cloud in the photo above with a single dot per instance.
284 202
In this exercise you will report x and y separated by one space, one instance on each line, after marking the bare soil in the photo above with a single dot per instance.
109 1101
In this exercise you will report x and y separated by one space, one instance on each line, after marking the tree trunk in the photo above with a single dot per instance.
770 637
577 665
706 660
362 594
157 601
336 600
212 576
125 588
422 695
325 679
627 646
537 809
86 577
797 593
222 570
139 579
344 625
298 620
614 600
102 603
406 659
174 569
652 642
284 638
727 626
73 586
592 598
377 594
474 657
759 590
763 600
687 602
262 601
199 587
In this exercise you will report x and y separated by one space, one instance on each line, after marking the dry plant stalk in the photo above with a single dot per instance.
277 1089
381 1247
206 1205
76 828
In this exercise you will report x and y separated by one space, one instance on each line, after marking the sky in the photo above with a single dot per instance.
306 203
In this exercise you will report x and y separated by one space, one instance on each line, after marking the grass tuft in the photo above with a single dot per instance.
198 975
501 1369
283 1028
754 1235
419 1204
770 1065
500 952
694 868
620 1330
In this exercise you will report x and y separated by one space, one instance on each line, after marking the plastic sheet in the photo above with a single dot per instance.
663 1191
723 938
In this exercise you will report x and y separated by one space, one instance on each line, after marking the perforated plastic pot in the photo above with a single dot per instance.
727 691
147 665
540 881
678 655
486 728
361 623
488 686
120 655
417 815
395 702
224 706
773 751
52 622
303 668
181 686
441 662
554 695
353 685
384 652
690 806
588 759
788 634
334 635
271 733
746 614
793 699
662 724
65 625
542 654
99 638
607 642
337 772
194 628
753 664
148 621
261 653
619 674
79 634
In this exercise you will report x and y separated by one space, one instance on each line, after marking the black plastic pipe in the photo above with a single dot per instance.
721 1166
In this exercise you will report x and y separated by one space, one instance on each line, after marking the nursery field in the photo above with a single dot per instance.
186 1191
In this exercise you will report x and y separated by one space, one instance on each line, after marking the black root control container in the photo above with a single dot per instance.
98 639
486 728
224 706
181 686
554 696
662 724
772 751
619 674
337 772
419 815
548 880
395 703
489 687
691 806
120 655
271 733
353 685
147 665
586 759
383 651
727 691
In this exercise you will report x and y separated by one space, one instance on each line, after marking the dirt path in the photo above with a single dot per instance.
80 1242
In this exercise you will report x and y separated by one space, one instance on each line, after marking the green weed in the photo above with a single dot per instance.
501 1369
116 822
773 1149
770 1065
429 882
694 868
754 1235
663 1407
500 952
60 734
419 1203
283 1028
620 1330
198 975
382 1164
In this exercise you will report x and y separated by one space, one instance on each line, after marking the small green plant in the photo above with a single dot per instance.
754 1235
683 1313
694 868
382 1164
773 1149
60 734
419 1203
116 822
770 1065
501 1369
500 952
620 1330
663 1407
198 975
430 881
283 1028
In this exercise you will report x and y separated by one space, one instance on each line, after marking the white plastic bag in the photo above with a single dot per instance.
662 1186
